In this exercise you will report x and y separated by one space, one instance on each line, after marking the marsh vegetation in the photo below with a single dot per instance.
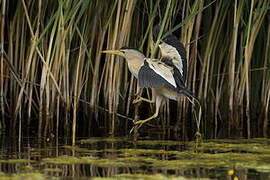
52 72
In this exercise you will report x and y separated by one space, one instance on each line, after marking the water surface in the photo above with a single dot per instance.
124 158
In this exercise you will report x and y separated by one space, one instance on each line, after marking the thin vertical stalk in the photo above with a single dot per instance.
265 97
2 105
252 31
163 22
111 91
238 6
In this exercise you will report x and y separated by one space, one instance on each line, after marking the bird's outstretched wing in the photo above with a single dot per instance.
155 74
173 50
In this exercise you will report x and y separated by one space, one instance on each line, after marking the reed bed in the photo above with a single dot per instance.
51 68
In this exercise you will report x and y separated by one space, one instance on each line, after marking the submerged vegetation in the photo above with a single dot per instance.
51 68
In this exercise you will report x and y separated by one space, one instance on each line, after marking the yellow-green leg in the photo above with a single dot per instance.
139 99
158 103
145 120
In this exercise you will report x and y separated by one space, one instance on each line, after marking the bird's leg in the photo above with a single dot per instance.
158 103
140 99
141 122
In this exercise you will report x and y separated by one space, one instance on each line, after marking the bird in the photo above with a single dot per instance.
166 76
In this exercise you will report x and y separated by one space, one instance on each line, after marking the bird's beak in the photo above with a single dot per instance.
117 52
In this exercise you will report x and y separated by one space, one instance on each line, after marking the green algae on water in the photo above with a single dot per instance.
13 161
228 147
24 176
101 162
100 139
146 177
159 142
145 151
114 162
211 155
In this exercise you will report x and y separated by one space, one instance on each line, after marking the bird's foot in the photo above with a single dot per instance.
141 122
140 99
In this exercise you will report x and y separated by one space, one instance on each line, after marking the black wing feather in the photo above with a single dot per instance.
179 78
148 78
176 73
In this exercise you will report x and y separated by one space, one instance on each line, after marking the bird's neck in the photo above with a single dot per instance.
134 65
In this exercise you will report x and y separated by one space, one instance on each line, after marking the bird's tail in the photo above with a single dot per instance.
189 95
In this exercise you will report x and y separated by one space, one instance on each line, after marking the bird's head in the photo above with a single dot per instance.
127 53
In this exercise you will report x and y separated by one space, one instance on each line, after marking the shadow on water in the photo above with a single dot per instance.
124 158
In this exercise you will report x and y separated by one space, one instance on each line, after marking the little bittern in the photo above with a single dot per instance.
165 76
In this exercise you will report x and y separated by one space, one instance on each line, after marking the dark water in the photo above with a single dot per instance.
124 158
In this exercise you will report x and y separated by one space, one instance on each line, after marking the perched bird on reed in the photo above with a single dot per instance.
165 76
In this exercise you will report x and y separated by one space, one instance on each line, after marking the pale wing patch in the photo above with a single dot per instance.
170 51
164 71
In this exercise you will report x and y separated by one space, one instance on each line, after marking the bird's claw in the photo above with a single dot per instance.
137 125
140 122
140 99
137 100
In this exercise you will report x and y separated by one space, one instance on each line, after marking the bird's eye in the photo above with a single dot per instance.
123 52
